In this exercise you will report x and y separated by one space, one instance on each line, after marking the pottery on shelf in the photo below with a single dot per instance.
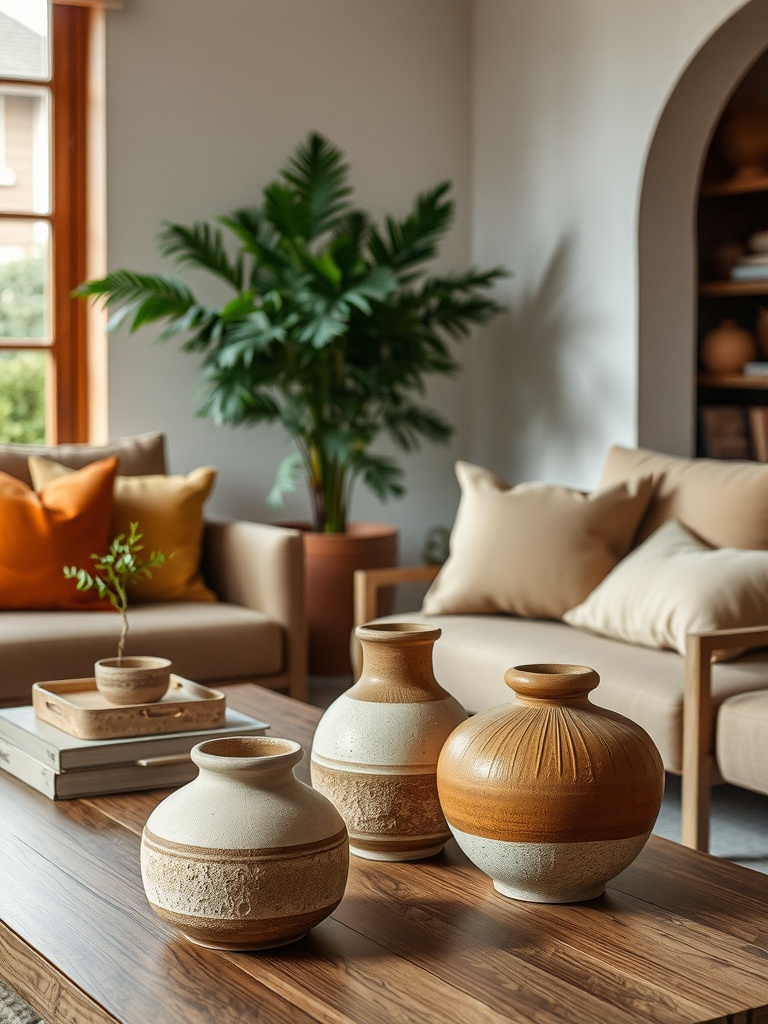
132 680
376 747
727 347
246 856
743 135
550 795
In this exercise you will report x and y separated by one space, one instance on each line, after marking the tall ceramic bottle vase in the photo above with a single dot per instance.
246 856
375 750
550 795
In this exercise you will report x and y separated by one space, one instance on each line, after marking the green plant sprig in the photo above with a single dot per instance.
115 571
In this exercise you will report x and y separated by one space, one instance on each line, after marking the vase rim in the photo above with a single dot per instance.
135 661
383 631
551 680
247 753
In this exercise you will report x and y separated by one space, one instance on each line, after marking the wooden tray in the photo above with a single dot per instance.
76 707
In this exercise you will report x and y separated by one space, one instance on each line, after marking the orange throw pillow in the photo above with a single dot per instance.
40 533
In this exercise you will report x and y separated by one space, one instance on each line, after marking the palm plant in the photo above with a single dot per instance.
332 328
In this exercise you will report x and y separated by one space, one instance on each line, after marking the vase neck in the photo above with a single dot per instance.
397 664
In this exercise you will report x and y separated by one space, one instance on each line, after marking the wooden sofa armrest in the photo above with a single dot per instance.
368 583
698 752
262 567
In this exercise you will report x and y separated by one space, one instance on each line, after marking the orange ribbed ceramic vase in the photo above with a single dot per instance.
550 795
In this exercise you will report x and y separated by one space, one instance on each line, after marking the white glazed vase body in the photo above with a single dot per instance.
376 748
246 856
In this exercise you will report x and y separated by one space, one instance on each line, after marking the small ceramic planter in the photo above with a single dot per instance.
137 680
245 856
375 749
550 795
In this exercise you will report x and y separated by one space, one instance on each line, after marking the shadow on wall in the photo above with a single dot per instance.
540 397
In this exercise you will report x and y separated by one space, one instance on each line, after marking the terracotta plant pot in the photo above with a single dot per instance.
550 795
136 680
330 561
245 856
375 749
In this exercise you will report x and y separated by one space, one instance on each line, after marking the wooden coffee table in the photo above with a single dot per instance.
679 936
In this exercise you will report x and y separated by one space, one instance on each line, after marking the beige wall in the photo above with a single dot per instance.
566 103
541 111
204 103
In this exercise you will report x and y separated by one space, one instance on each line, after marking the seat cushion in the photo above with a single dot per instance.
742 740
646 685
205 641
141 453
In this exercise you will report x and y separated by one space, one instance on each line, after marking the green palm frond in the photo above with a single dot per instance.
317 174
414 240
200 245
334 328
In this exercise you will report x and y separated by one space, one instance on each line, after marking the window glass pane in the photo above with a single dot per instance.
25 149
24 279
23 396
24 36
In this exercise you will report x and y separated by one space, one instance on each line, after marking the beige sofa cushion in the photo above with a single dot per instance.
646 685
142 453
742 740
673 585
724 503
535 549
205 642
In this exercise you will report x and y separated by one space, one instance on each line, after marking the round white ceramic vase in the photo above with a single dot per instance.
246 856
376 748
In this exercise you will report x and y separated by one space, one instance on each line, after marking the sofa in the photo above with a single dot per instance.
237 615
668 602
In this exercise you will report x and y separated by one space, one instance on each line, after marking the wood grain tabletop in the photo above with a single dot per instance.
679 936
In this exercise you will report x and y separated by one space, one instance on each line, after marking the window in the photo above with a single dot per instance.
45 105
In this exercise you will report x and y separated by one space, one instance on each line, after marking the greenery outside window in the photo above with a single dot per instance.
45 60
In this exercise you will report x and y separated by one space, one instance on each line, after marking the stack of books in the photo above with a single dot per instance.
751 268
63 766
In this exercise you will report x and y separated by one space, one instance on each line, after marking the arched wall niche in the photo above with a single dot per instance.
667 229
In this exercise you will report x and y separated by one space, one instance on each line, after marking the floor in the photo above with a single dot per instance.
739 823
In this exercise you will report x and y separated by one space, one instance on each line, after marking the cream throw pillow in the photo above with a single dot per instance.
169 511
675 584
535 549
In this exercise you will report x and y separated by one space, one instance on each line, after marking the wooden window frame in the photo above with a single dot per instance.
74 410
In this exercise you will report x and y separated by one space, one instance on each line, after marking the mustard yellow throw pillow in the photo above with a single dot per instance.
169 511
41 533
674 584
535 549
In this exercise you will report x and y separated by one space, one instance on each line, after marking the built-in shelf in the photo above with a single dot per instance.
724 288
738 381
735 187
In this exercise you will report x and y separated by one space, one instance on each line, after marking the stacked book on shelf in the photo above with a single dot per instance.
62 765
753 267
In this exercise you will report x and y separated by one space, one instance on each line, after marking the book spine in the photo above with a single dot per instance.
28 769
33 745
